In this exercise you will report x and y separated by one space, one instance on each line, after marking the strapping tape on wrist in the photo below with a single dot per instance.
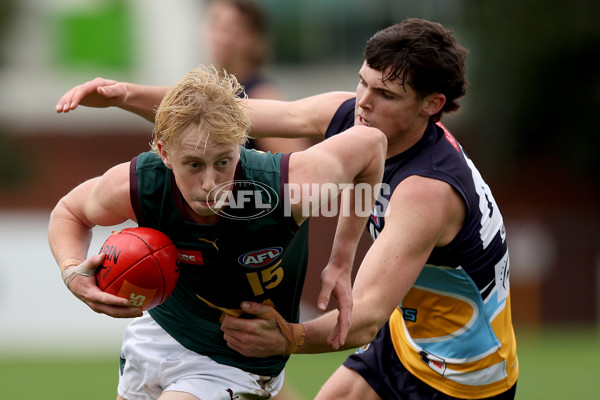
71 270
294 333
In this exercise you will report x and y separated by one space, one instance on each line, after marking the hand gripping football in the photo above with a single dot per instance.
141 264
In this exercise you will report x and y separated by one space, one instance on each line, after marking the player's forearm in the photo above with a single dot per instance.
276 118
307 117
374 300
356 204
347 235
67 236
363 331
143 100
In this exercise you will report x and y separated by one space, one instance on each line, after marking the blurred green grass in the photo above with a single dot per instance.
556 363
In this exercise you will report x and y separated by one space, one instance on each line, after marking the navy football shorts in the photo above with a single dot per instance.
380 366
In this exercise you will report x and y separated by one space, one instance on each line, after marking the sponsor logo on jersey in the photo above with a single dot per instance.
191 257
375 220
375 224
435 363
449 136
260 258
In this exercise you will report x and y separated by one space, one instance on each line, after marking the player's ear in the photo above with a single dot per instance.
164 155
434 103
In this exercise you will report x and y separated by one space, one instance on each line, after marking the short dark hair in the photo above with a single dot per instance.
423 55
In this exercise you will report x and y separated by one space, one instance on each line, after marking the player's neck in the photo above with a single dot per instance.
400 144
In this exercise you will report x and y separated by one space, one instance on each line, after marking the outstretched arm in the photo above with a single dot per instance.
423 213
306 117
270 118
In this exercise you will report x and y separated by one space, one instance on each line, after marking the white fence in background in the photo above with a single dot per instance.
37 313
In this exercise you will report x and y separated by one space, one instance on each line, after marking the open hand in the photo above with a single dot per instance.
99 93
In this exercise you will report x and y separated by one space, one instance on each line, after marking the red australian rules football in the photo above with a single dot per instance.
140 265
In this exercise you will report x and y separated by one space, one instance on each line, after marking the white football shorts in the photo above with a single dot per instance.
153 362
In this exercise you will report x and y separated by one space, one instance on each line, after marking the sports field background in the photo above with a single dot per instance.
557 363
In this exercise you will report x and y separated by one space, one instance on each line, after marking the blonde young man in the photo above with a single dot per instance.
177 350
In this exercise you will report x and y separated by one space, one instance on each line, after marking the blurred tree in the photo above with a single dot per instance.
14 169
7 8
315 31
537 81
10 171
559 115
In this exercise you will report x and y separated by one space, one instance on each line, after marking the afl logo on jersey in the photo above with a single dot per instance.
259 258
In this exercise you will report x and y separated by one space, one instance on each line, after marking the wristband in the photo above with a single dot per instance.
70 268
294 333
68 262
